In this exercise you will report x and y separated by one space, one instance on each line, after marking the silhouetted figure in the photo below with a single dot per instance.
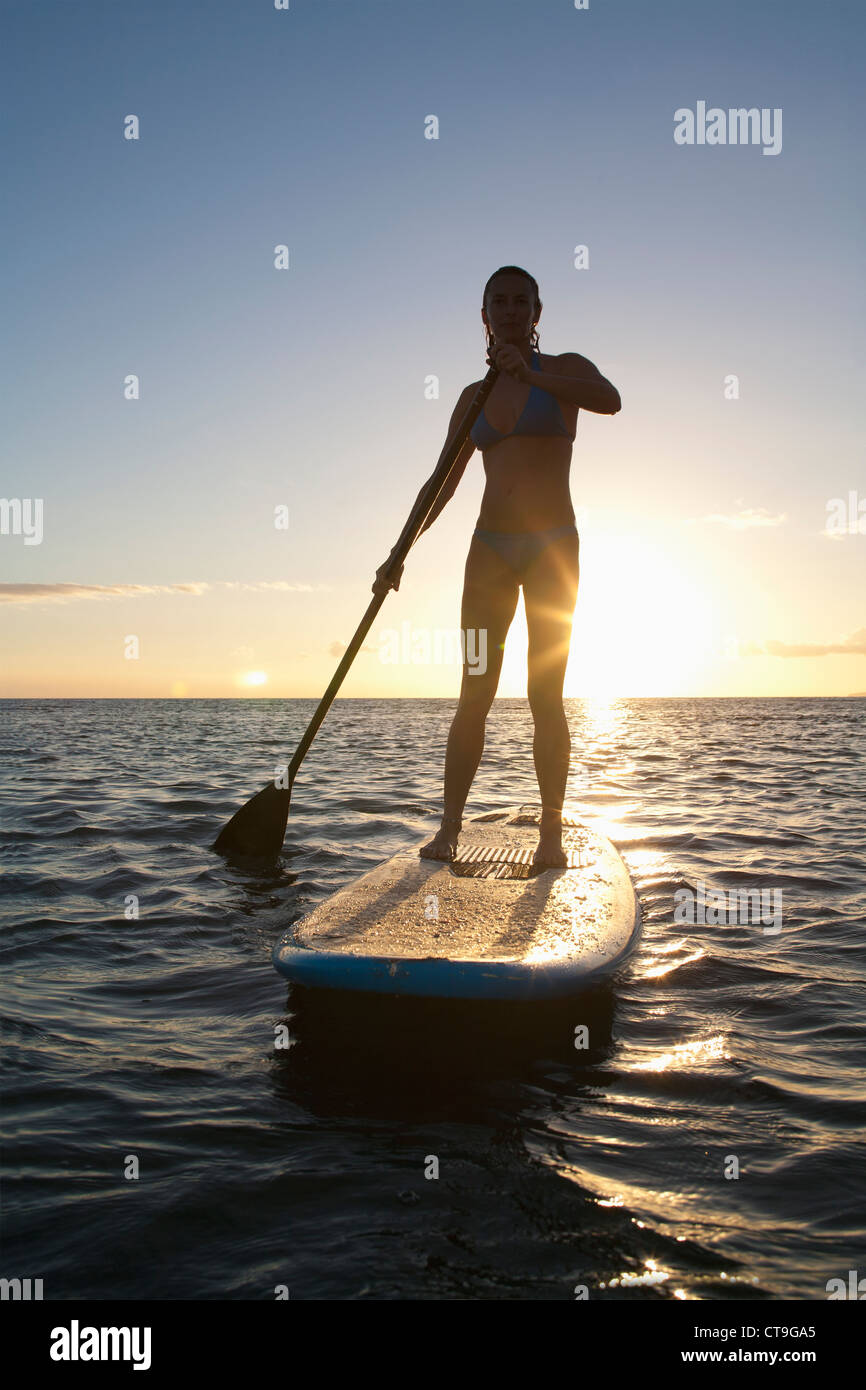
526 535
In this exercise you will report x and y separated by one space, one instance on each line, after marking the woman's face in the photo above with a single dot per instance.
510 308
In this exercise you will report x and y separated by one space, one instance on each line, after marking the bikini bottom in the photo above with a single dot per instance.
520 548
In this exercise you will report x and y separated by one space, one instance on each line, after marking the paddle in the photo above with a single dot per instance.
259 827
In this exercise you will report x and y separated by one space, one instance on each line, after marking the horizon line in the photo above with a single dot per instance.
247 699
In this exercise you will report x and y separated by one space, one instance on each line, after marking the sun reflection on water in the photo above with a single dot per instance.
689 1054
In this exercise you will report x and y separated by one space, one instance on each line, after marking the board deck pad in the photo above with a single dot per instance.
487 924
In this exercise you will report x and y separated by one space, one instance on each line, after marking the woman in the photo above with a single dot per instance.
525 535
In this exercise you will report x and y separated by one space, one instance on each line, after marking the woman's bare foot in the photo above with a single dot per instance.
549 851
444 842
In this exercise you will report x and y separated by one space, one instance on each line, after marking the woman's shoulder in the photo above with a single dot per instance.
569 364
467 395
565 363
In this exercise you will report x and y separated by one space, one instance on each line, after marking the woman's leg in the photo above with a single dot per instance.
490 592
549 594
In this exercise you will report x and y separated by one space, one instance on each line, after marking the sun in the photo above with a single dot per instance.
643 622
253 678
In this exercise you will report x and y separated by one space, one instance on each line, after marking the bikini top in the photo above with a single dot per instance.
541 415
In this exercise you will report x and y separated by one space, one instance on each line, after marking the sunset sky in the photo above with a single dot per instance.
713 561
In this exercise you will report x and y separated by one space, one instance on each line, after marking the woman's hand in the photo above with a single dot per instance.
382 583
509 358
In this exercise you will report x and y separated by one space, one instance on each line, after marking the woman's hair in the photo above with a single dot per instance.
514 270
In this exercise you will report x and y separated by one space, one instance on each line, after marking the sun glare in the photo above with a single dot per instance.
642 623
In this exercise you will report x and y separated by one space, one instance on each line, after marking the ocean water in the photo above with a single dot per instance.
707 1145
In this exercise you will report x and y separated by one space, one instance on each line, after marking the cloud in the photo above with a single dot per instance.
855 645
64 593
67 593
840 533
281 585
745 520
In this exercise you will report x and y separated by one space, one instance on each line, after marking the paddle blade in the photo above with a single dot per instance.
258 828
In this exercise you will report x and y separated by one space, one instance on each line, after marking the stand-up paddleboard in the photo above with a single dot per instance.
485 925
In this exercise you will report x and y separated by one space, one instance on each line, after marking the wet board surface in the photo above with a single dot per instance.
486 925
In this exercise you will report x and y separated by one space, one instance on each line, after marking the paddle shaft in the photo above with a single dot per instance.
408 536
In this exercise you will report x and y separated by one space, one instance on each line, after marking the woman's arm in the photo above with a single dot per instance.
381 584
580 383
463 457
